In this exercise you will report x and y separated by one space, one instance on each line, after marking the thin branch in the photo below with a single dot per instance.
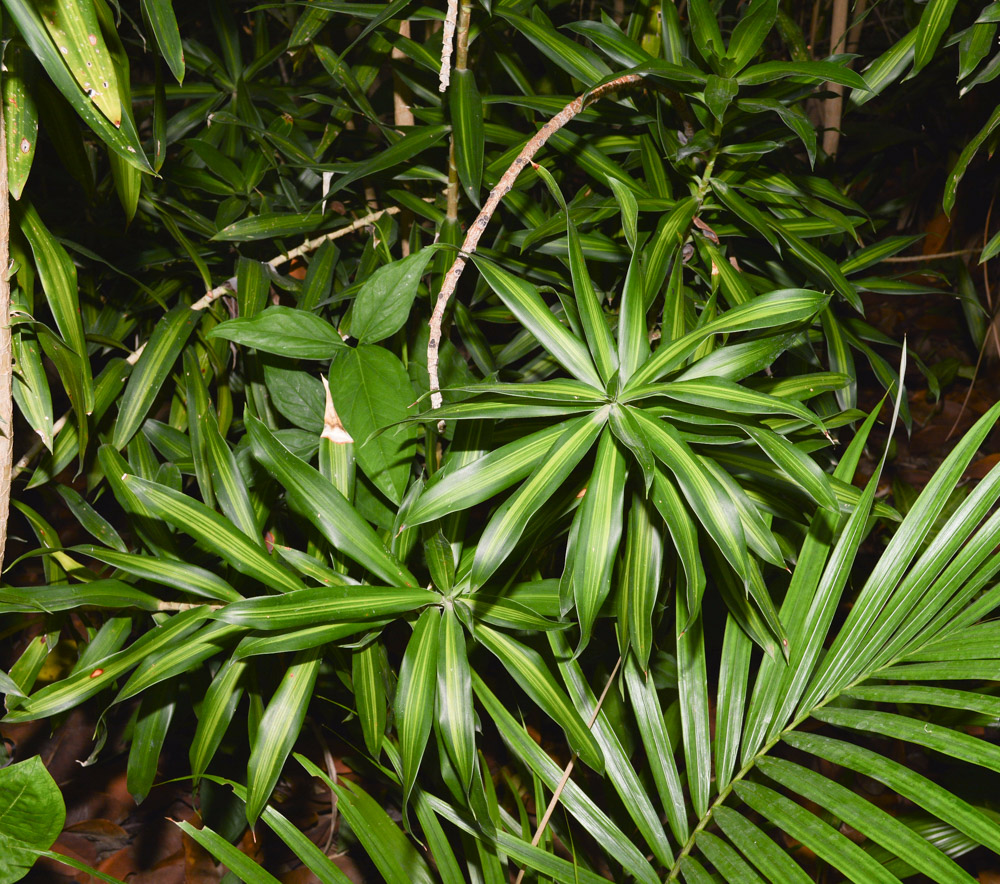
569 769
461 62
503 187
228 287
447 47
310 245
916 259
6 352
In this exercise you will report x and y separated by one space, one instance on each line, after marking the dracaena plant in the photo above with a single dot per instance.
632 448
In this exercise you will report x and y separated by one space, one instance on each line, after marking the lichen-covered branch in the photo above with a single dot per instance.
6 351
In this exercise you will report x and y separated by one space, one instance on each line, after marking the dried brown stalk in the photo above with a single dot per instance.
569 769
461 62
6 353
503 187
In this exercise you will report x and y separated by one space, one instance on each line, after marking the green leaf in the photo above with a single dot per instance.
563 52
213 532
865 817
922 791
659 752
369 694
215 714
509 521
234 859
639 577
58 277
704 495
933 21
413 143
157 360
599 529
466 107
705 30
33 816
765 311
160 14
886 69
633 336
455 713
371 391
31 27
692 688
719 93
527 668
395 857
531 311
751 31
964 158
313 495
773 861
485 477
279 729
152 722
383 304
304 607
167 572
283 331
827 842
809 71
269 225
20 114
415 694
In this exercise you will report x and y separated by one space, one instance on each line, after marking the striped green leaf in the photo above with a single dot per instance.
485 477
106 593
933 21
809 71
531 311
797 465
279 729
20 114
773 861
163 22
215 714
633 336
369 694
230 856
598 531
766 311
509 521
528 669
467 130
71 691
156 362
303 607
455 715
692 688
886 69
315 497
213 532
639 578
563 52
751 31
414 706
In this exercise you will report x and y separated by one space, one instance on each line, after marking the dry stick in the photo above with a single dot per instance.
569 769
833 109
6 355
447 39
402 114
916 259
202 304
504 186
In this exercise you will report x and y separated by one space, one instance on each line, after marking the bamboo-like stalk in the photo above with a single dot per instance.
833 108
6 351
503 187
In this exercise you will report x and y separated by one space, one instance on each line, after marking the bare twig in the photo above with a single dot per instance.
228 287
401 112
310 245
503 187
447 47
6 353
569 769
833 108
916 259
854 34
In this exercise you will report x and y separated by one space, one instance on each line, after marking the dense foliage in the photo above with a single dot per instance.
601 484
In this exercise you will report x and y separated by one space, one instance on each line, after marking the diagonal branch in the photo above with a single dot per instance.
503 187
